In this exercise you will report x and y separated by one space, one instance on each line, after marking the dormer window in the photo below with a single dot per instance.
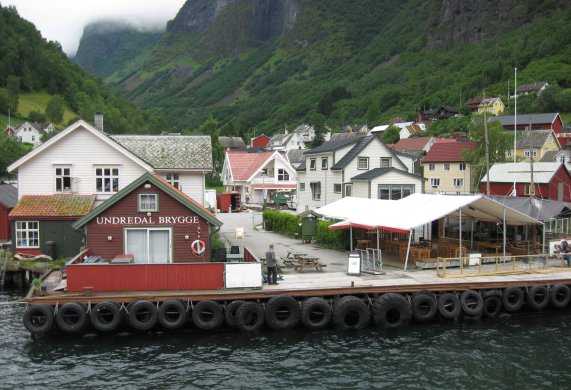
148 202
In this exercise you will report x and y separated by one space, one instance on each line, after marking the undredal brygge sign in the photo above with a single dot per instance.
158 220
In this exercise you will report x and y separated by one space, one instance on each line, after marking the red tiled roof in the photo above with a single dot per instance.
411 144
274 186
448 152
60 205
244 164
444 140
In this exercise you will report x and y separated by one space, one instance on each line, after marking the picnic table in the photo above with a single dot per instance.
306 260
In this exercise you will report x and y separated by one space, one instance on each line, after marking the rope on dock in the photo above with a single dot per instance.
13 303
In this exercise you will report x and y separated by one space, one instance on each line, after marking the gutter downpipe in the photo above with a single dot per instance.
408 249
545 249
504 232
351 237
460 236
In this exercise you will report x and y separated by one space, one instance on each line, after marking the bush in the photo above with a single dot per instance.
215 244
334 239
283 223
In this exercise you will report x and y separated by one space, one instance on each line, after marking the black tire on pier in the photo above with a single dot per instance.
71 317
472 303
424 306
143 315
172 314
282 312
492 303
230 313
391 311
538 297
250 316
39 319
512 299
449 306
207 315
315 313
560 296
106 316
351 313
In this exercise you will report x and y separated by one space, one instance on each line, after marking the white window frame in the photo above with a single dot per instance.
312 164
528 152
60 178
390 188
348 186
458 182
173 179
148 230
431 166
386 162
362 163
283 175
462 166
435 182
315 185
446 166
337 188
145 204
27 234
324 163
302 186
104 177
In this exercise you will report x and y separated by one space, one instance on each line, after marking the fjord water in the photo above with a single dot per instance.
528 351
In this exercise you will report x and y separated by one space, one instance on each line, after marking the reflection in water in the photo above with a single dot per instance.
524 351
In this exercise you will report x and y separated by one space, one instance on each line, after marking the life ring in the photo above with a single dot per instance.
512 299
39 319
472 303
492 303
172 314
391 311
449 306
198 247
106 316
230 313
315 313
72 317
282 312
538 297
423 306
560 296
142 315
207 315
250 316
351 312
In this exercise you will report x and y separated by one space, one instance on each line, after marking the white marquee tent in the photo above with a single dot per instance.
416 210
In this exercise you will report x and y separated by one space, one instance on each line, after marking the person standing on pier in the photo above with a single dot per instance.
272 265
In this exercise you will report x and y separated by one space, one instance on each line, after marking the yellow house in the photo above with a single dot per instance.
445 170
493 105
534 144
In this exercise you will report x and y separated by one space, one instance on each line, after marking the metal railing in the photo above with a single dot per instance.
371 260
499 265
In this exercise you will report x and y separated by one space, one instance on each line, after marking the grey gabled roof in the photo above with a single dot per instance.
524 119
8 195
332 146
170 151
301 167
354 152
376 172
295 156
536 139
549 156
232 142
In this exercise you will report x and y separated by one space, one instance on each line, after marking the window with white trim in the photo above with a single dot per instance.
283 175
458 182
462 166
434 182
27 234
63 179
315 190
173 179
363 163
562 159
336 188
324 163
395 191
312 164
302 186
148 202
385 162
348 189
528 152
446 166
107 180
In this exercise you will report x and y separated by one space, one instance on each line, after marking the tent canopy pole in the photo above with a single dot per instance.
408 249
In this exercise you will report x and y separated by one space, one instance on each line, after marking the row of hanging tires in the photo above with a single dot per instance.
389 311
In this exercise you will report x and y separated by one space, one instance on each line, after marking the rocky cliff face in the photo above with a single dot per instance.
232 25
474 21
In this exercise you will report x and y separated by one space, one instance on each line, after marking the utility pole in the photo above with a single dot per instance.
487 148
532 184
515 127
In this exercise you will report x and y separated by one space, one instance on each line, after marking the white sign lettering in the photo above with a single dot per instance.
161 220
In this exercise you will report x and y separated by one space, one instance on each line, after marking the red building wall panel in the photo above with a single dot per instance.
4 223
260 141
145 277
98 230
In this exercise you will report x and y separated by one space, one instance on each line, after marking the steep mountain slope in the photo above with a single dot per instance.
262 65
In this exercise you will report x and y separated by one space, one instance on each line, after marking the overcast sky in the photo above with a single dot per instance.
63 20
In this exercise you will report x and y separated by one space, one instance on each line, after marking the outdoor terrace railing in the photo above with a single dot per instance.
499 265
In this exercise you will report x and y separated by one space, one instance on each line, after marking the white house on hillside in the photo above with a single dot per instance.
286 142
32 132
359 166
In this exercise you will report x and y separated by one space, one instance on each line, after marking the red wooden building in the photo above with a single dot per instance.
548 121
551 180
8 199
260 141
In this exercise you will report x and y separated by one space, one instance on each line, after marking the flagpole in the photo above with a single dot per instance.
515 126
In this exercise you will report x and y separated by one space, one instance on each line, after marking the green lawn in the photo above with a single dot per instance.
37 101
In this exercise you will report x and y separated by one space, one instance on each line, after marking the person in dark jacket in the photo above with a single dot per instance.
272 265
564 248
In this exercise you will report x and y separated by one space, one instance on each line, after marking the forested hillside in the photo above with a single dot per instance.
340 61
29 63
